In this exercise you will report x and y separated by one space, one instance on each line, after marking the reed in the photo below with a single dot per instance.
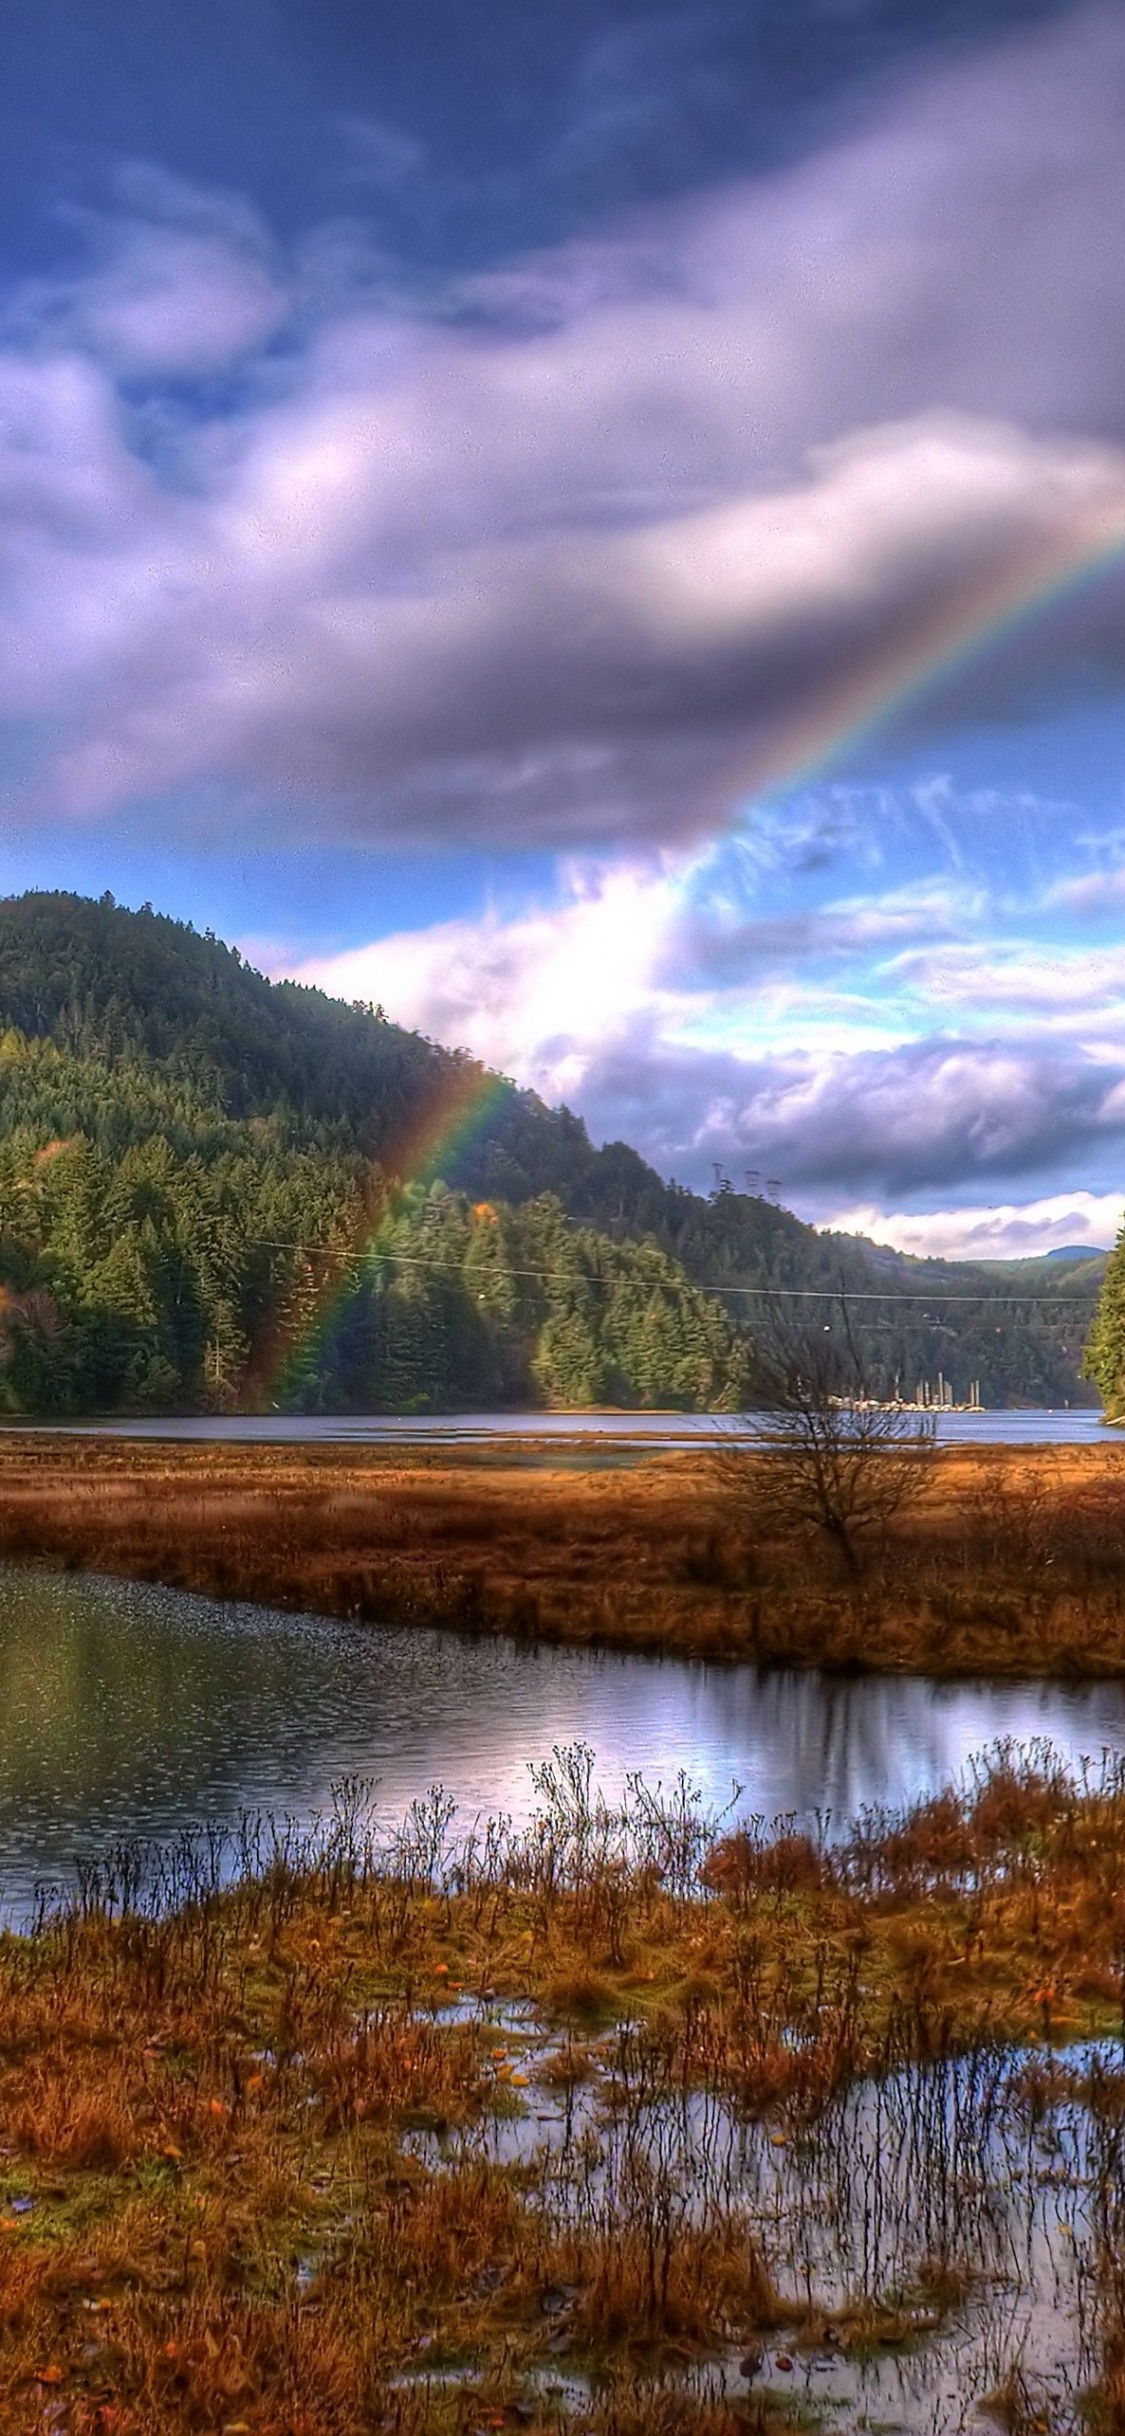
279 2127
1007 1562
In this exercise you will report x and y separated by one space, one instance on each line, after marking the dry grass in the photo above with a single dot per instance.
1011 1563
213 2108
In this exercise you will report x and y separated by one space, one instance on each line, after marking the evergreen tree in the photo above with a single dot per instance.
1104 1358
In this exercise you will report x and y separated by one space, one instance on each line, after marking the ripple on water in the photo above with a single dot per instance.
127 1710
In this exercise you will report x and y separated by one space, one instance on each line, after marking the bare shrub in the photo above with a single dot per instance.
841 1463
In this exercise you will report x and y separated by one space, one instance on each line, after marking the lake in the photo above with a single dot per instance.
596 1433
128 1710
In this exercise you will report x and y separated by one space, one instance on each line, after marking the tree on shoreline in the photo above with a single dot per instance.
1104 1357
838 1461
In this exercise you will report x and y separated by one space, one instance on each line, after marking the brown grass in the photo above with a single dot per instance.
211 2110
1011 1562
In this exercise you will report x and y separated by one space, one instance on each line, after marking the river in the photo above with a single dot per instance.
132 1711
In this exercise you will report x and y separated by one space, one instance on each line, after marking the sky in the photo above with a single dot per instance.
603 532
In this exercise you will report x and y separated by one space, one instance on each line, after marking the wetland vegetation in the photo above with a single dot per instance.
631 2120
1007 1561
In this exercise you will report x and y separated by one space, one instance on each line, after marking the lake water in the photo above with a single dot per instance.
128 1710
596 1433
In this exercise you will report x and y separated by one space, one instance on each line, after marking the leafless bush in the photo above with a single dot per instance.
840 1461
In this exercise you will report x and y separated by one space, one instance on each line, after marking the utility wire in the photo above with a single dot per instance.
816 1294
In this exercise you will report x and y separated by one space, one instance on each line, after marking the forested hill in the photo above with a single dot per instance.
211 1193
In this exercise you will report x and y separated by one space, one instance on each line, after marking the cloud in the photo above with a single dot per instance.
1092 892
176 281
623 530
1002 1231
723 948
877 1123
175 302
1046 981
623 950
703 1038
622 685
536 993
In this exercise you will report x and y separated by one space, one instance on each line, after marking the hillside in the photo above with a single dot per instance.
216 1190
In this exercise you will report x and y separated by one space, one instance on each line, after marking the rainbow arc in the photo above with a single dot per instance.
927 654
450 1122
917 662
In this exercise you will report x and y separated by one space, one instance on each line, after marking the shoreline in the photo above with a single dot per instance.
1011 1563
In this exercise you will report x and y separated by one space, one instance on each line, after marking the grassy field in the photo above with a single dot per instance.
1009 1562
315 2140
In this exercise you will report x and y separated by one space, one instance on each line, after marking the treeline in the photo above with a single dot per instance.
212 1194
140 1232
459 1303
155 1254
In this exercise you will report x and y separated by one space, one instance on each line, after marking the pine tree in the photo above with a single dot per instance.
1104 1358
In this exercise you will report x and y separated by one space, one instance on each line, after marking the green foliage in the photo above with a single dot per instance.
194 1163
167 1242
146 1249
457 1304
1104 1359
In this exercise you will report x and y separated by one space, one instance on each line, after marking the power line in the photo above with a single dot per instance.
818 1294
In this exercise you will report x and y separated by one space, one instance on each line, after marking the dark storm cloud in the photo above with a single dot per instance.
626 528
932 1117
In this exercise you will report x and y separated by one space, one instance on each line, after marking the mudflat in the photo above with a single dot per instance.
1007 1561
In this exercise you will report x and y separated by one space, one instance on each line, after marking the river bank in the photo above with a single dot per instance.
1009 1561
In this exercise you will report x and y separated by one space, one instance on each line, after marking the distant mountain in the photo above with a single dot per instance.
1078 1251
216 1190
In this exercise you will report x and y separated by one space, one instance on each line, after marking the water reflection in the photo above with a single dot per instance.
131 1710
936 2176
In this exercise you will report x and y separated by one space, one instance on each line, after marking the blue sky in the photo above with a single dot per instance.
517 514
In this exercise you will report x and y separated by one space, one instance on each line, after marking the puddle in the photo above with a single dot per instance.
939 2183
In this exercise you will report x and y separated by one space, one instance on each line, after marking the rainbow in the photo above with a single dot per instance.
843 718
448 1125
930 652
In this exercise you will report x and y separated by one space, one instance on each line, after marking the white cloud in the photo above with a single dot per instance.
1002 1231
1092 892
636 1000
175 301
538 994
177 280
995 979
